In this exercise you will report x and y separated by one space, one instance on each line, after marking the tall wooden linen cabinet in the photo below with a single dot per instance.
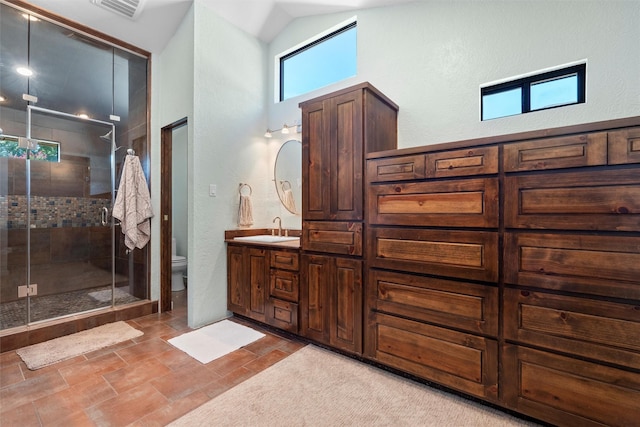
338 130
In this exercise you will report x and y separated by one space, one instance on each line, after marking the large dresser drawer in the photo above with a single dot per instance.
590 328
460 305
463 203
568 392
458 360
599 265
465 162
396 168
463 254
554 153
624 146
332 237
595 200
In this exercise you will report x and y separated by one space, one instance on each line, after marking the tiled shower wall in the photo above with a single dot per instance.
51 212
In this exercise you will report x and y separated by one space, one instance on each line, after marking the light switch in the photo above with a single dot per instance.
212 190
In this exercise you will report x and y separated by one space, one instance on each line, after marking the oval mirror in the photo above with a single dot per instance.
287 175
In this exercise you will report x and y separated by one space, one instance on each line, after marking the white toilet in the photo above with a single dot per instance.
178 267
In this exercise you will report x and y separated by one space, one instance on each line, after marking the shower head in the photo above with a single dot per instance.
107 136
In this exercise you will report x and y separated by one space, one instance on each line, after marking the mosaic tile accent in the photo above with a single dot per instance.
51 212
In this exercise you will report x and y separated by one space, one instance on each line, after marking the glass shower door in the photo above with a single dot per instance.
70 192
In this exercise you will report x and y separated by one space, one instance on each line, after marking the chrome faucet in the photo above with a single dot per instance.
279 225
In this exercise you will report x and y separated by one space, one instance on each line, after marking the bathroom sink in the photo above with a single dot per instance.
266 238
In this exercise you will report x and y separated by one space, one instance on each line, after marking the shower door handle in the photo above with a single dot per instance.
104 214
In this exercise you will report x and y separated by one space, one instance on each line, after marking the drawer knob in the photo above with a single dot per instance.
623 210
524 293
398 190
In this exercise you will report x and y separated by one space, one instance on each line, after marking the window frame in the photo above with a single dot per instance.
525 83
306 45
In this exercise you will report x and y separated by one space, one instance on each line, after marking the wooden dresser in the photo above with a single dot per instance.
508 268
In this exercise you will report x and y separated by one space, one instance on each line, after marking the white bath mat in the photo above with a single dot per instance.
216 340
105 295
47 353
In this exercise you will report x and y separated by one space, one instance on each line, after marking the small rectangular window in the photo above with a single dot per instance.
551 89
320 62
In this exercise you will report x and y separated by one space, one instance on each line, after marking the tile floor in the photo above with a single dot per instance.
141 382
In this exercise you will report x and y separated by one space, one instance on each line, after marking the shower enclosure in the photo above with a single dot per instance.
61 249
61 253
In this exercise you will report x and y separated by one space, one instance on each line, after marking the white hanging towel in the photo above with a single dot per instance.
133 204
289 201
245 212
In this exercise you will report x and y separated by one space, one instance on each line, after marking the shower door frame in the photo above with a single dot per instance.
112 161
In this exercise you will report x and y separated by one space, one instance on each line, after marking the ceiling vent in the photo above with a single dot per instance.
128 8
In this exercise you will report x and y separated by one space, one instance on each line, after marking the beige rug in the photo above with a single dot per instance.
49 352
211 342
315 387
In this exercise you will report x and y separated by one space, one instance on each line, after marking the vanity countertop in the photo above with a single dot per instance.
230 235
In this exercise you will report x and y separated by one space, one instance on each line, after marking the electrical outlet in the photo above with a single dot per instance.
212 190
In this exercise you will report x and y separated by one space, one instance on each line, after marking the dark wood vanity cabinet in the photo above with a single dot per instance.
510 270
263 284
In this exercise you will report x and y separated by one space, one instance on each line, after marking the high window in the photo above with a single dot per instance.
325 59
541 91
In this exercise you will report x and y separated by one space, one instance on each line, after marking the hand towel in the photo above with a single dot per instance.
289 201
245 212
133 204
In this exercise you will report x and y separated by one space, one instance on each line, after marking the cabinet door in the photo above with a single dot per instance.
258 262
315 161
236 281
345 144
314 297
346 305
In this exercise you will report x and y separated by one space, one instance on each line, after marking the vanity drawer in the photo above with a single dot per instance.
285 260
595 200
463 254
465 162
624 146
332 237
450 203
598 265
566 391
396 168
282 314
455 359
554 153
285 285
460 305
593 329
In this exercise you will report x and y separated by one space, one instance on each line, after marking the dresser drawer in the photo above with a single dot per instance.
466 162
599 265
554 153
593 329
396 168
463 203
284 284
461 305
458 360
595 200
568 392
282 314
624 146
462 254
285 260
332 237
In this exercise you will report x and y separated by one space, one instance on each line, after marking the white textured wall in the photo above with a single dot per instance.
430 57
228 148
171 100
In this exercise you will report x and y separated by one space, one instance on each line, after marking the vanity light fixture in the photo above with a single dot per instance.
83 115
2 98
285 130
